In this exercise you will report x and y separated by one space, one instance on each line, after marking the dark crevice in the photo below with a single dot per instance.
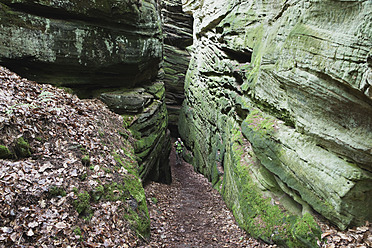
242 56
285 7
239 78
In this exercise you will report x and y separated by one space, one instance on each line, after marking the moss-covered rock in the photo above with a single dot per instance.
22 148
145 115
103 44
5 152
290 78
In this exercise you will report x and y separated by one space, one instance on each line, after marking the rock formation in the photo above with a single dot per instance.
103 43
177 30
278 101
105 47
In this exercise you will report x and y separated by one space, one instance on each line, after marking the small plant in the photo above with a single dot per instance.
83 177
45 96
77 231
82 205
75 190
85 160
91 167
154 200
55 191
11 109
98 192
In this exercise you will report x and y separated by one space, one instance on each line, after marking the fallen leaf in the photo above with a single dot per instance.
33 224
325 234
30 233
61 225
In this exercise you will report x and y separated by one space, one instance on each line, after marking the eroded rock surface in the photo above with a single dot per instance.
81 43
106 48
278 101
145 114
177 29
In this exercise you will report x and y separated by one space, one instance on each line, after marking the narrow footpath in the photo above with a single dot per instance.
190 213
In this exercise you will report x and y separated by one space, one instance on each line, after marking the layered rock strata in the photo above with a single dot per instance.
81 43
98 48
278 102
177 30
145 114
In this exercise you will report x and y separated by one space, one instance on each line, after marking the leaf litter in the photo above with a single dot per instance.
37 193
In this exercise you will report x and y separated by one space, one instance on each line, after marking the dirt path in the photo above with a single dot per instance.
190 213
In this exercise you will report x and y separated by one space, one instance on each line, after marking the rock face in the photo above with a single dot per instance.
278 101
106 48
103 43
145 114
177 30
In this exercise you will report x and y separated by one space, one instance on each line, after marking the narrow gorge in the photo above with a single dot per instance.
273 99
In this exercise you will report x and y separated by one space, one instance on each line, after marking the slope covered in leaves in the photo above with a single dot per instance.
68 173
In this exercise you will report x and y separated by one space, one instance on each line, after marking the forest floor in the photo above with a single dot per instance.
190 213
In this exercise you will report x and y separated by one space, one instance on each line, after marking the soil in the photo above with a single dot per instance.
190 213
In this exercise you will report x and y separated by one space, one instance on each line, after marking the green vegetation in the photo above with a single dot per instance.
255 213
22 148
85 160
83 176
5 152
128 190
154 200
56 191
77 231
82 205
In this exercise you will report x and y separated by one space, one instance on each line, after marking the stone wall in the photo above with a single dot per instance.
278 98
177 30
106 48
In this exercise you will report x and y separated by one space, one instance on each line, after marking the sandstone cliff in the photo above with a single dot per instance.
278 101
109 49
177 31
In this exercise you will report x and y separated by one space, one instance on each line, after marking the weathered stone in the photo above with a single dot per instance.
146 117
103 44
177 28
106 48
294 78
134 100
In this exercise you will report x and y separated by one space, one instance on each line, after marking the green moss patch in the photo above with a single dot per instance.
5 152
22 148
255 213
82 205
85 160
56 191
